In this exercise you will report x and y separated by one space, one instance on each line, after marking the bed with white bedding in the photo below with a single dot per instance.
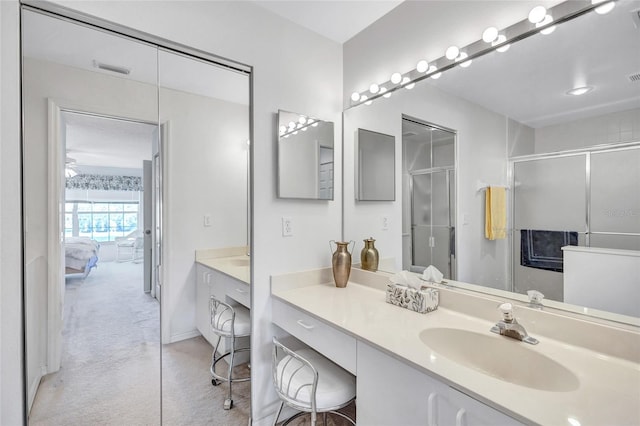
81 255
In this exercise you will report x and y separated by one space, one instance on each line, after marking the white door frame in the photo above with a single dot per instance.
55 234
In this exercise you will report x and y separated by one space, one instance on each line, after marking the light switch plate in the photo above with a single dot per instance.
385 223
207 220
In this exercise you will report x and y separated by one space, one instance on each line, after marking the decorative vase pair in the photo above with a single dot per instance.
341 260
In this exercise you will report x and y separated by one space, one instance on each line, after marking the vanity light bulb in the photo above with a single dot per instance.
355 96
386 95
422 66
315 124
490 34
311 120
396 77
286 136
547 20
433 69
299 125
465 64
283 129
452 52
501 39
605 8
537 14
295 133
461 58
302 120
304 129
374 88
364 99
405 83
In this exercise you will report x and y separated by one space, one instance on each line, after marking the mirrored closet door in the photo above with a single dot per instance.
127 146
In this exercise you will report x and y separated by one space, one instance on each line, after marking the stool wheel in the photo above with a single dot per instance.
228 403
214 382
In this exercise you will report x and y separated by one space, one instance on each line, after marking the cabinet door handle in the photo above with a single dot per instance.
431 414
460 417
239 290
307 326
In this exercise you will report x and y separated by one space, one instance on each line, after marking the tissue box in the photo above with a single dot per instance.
422 301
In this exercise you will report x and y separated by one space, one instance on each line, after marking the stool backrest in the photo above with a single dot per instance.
222 317
295 378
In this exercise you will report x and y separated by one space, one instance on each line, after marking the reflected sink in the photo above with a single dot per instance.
501 357
239 262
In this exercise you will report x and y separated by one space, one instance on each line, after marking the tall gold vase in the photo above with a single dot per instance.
369 255
341 263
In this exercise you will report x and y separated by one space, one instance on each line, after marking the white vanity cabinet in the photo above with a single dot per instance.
211 282
390 392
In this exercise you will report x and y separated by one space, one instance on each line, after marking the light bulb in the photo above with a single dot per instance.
283 129
406 84
292 125
299 125
432 69
501 39
374 88
537 14
577 91
286 136
302 120
386 95
547 20
396 77
315 124
605 8
422 66
311 120
461 58
295 133
355 96
490 34
452 52
304 129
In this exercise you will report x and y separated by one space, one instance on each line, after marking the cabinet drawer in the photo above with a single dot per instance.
329 341
238 291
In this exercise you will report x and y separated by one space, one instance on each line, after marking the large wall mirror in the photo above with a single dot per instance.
305 157
128 145
570 164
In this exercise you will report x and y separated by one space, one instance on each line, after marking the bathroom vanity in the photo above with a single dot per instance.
225 274
446 367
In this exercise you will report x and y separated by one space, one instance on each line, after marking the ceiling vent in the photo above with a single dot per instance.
634 77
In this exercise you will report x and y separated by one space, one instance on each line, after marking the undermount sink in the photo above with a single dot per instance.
239 262
501 357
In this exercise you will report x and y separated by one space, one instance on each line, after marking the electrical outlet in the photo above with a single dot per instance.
287 227
207 220
385 223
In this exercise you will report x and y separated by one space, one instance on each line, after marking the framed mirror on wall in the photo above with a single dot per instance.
305 157
117 143
375 166
505 129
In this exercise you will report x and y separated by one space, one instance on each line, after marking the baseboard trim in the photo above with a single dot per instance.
183 336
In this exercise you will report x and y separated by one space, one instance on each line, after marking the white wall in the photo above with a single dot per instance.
11 393
295 70
612 128
206 169
481 155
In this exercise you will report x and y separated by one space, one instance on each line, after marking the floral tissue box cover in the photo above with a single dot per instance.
422 301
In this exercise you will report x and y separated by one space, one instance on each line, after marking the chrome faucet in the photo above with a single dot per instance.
509 327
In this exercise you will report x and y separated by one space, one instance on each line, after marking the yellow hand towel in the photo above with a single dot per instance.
495 213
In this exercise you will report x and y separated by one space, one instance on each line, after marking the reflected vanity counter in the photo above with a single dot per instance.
226 274
446 367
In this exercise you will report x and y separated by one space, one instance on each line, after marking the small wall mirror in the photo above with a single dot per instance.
375 166
305 157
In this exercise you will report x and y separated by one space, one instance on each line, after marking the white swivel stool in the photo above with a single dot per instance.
310 383
230 322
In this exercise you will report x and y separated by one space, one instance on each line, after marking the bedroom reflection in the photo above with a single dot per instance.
92 331
123 156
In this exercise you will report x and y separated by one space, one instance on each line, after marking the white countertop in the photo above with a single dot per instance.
609 387
232 261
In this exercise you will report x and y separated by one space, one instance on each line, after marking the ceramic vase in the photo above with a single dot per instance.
369 255
341 263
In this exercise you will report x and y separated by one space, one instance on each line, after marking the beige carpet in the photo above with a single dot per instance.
111 363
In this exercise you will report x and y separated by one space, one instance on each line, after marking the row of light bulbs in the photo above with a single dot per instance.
538 16
293 127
